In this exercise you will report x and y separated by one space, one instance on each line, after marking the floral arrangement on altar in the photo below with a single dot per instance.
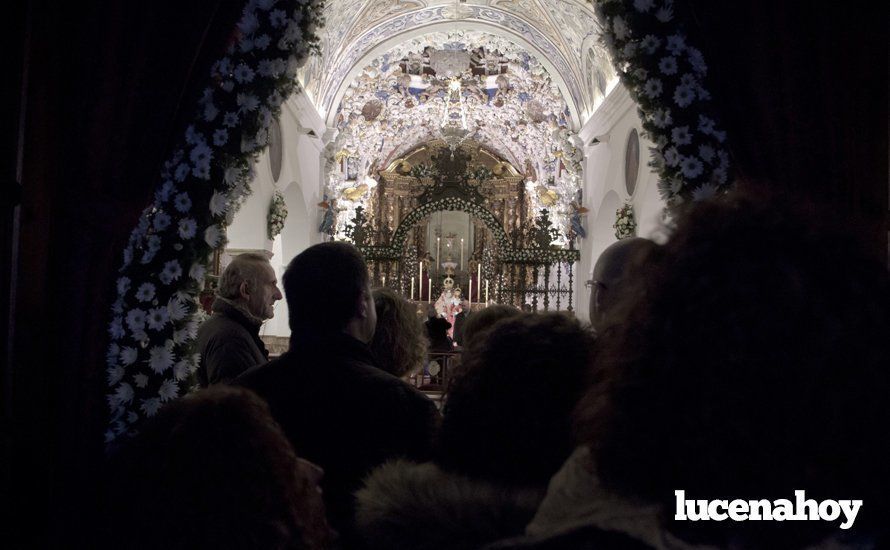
277 215
625 222
665 76
154 320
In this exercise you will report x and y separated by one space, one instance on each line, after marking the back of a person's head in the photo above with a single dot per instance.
323 286
214 470
399 342
507 416
613 271
478 322
751 361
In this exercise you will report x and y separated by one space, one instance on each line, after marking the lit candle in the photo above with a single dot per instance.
384 281
486 292
461 253
412 288
429 291
420 277
471 293
437 253
479 279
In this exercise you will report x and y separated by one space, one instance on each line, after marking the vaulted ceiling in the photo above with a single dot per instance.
563 34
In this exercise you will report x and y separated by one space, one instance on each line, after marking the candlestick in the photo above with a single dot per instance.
383 283
438 239
486 292
429 291
461 254
412 288
471 292
479 279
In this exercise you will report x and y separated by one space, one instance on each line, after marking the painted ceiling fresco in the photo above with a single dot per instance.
562 32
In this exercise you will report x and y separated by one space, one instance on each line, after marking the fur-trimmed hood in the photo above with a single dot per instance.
414 506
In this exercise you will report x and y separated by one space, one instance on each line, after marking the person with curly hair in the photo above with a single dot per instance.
506 429
752 361
399 343
214 470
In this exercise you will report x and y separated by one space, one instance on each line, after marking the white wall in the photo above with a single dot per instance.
604 186
300 183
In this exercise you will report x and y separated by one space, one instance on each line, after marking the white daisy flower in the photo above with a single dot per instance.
243 74
160 359
684 95
187 229
665 13
118 306
691 167
180 370
705 124
630 49
707 153
115 375
277 18
668 65
124 393
132 417
230 119
161 221
719 135
123 285
641 74
201 154
218 204
191 329
676 43
650 43
662 118
247 102
220 137
111 354
182 202
197 271
116 328
225 66
150 406
153 242
671 157
129 355
619 27
231 175
158 318
249 23
705 191
212 236
676 186
128 256
210 112
163 194
681 135
652 87
202 171
172 271
719 175
182 171
264 67
135 319
643 6
141 380
228 85
262 42
169 390
265 5
176 310
697 60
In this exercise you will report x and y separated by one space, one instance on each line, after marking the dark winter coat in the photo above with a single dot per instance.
229 344
345 414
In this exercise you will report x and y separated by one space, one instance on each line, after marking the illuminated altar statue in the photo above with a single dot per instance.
449 303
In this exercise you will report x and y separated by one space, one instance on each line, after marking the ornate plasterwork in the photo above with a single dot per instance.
557 30
520 114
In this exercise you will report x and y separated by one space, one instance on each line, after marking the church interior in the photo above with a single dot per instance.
476 152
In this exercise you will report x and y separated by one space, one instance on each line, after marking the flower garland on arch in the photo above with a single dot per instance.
665 77
277 215
150 358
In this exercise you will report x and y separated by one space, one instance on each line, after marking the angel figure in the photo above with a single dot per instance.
329 217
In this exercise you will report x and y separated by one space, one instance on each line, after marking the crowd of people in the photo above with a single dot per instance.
745 358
